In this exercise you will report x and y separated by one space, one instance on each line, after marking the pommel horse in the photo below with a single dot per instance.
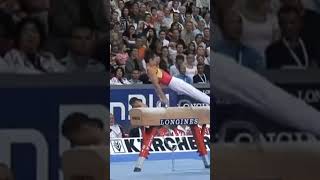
156 117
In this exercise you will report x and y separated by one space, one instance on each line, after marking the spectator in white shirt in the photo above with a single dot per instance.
28 56
135 75
119 78
162 37
116 130
167 20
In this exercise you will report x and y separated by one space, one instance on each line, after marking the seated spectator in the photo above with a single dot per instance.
191 48
167 19
180 50
28 55
291 51
162 37
165 61
200 77
81 49
231 45
174 69
151 38
310 26
122 55
201 51
134 63
191 67
199 41
187 34
135 77
206 36
200 60
130 36
260 27
124 19
200 28
119 78
82 130
116 131
182 74
175 37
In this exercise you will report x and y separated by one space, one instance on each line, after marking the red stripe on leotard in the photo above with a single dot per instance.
166 78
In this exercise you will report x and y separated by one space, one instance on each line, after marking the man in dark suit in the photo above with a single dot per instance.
201 77
291 51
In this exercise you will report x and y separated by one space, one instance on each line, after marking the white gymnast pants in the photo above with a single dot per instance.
251 89
182 87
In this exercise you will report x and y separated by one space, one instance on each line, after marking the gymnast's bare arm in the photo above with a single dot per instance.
151 71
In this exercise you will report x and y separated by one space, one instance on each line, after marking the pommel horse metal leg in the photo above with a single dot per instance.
154 117
148 136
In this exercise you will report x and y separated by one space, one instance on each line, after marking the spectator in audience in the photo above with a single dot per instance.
191 67
199 41
310 26
162 37
187 34
165 61
130 36
174 69
151 38
124 19
167 19
122 55
206 36
231 45
82 130
28 55
81 49
135 77
201 77
180 49
176 36
182 74
291 51
200 60
5 172
200 27
119 78
116 131
134 63
260 27
191 48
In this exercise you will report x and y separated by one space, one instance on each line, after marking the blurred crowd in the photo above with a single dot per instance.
59 36
268 34
178 31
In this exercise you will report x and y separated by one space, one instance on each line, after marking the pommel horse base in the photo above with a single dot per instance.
155 117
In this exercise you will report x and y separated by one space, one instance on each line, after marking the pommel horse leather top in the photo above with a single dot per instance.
170 116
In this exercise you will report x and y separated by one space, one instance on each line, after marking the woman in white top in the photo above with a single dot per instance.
28 56
119 78
260 26
191 67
